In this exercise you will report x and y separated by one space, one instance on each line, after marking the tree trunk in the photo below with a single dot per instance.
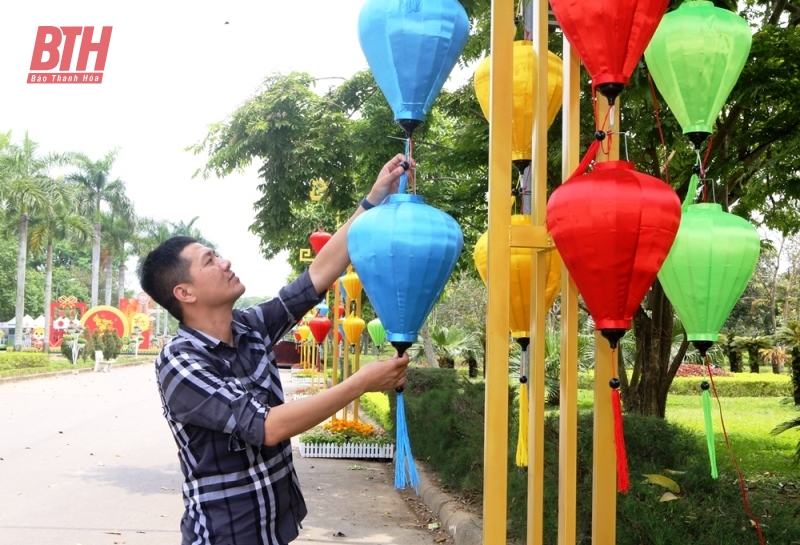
646 391
735 360
109 277
427 345
48 287
121 280
20 303
753 356
95 264
796 375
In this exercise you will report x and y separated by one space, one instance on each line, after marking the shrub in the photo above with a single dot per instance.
738 385
376 405
23 360
111 344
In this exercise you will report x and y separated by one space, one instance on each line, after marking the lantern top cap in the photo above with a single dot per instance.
608 165
406 197
695 4
705 206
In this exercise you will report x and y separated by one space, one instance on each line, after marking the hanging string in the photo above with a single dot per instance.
401 188
733 457
660 130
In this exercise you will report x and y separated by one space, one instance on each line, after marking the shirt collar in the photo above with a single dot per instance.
198 337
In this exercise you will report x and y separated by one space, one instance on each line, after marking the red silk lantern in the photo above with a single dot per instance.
610 36
297 337
613 228
318 239
320 326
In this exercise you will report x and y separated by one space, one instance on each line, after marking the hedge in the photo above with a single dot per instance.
739 385
23 360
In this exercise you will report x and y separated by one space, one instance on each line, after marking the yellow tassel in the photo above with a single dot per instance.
522 439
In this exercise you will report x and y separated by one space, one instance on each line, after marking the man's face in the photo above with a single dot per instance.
213 282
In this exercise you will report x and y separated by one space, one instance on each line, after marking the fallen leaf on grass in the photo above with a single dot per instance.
668 496
664 482
674 472
434 525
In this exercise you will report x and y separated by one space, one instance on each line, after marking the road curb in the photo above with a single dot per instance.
465 527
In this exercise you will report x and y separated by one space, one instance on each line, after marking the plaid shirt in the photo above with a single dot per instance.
237 491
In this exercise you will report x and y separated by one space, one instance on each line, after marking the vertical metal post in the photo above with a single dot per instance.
604 462
568 419
495 475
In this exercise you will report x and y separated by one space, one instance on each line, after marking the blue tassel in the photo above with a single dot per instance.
404 459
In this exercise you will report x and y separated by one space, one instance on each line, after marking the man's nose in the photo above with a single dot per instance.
225 264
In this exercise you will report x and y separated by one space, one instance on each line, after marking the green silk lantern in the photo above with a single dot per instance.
695 58
708 267
376 332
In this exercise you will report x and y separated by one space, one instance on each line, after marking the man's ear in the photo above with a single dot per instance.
184 293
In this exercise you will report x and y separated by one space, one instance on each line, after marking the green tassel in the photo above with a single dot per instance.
712 454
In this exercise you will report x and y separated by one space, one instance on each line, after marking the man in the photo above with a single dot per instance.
221 389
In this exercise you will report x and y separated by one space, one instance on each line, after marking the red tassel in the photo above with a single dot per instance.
623 480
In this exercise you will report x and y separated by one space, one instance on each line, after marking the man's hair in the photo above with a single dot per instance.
163 269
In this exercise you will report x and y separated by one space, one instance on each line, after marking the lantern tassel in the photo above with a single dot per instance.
522 438
591 153
712 454
623 479
405 470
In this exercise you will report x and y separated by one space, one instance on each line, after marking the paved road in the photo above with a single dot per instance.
87 459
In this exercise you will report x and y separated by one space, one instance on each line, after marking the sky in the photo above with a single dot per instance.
173 68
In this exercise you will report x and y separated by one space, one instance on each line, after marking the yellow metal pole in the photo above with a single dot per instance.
357 357
335 310
568 420
604 461
495 473
539 280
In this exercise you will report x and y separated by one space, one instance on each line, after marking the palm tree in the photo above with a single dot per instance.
26 190
117 232
789 336
99 189
752 345
64 222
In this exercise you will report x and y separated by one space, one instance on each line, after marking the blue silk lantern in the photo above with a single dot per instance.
404 252
322 309
411 47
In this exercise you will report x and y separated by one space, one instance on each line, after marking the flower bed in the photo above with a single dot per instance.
307 376
346 439
696 370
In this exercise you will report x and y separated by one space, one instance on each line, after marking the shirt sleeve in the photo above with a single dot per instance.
276 316
195 394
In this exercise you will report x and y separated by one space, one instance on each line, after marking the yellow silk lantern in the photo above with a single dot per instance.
353 327
524 83
520 280
304 331
352 284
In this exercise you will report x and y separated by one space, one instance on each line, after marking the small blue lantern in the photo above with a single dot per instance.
322 309
411 47
404 252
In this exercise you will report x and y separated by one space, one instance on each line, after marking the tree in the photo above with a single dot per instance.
27 189
753 346
789 336
98 189
61 222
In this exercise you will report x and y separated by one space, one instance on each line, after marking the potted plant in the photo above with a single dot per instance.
346 439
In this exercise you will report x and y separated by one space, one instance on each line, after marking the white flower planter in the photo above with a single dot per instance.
317 450
300 396
307 380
